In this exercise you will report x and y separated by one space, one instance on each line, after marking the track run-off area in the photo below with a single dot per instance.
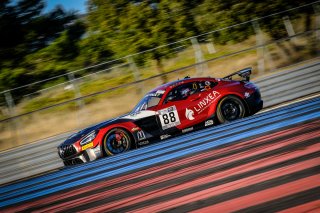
266 162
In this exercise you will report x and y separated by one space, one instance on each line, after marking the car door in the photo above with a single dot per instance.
183 107
208 95
145 116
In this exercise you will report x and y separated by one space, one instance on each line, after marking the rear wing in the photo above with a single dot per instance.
244 73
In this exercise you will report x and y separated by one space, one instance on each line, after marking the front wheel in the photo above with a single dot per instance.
229 109
116 141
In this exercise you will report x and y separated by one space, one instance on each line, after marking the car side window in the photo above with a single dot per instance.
206 85
182 92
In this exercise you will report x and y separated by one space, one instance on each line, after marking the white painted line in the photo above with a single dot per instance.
289 102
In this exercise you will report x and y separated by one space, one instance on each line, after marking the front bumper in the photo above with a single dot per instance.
70 156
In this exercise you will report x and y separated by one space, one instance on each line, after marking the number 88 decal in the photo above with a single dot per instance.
169 117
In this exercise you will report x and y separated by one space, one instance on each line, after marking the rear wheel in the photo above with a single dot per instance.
116 141
229 109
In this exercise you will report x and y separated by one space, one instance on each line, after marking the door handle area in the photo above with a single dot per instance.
195 99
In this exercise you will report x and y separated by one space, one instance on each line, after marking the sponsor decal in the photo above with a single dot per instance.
206 102
187 130
151 95
189 114
141 143
207 87
141 135
162 137
176 84
157 94
87 146
169 117
246 94
194 86
208 123
135 129
140 114
160 92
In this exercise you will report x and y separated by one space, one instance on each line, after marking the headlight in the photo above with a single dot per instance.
89 137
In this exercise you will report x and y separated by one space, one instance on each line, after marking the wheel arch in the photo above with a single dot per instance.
122 127
213 110
246 107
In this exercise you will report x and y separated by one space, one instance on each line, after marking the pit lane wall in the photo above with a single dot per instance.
41 156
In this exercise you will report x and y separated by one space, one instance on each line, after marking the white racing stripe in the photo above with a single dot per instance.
289 102
140 114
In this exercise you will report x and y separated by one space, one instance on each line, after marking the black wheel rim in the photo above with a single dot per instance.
117 142
230 110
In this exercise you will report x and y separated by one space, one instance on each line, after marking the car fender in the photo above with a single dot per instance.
213 107
130 127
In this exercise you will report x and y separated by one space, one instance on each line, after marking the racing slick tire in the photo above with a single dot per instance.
230 108
116 141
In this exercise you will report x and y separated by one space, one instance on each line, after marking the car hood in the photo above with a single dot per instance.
124 118
77 136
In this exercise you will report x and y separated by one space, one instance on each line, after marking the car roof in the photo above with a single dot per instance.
173 84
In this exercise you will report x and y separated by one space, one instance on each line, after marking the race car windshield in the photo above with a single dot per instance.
150 100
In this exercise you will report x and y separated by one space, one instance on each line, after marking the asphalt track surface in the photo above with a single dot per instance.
265 163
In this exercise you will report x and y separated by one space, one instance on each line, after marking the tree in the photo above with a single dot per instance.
217 14
24 31
60 56
133 27
93 50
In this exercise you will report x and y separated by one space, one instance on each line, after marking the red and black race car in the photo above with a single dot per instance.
170 109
